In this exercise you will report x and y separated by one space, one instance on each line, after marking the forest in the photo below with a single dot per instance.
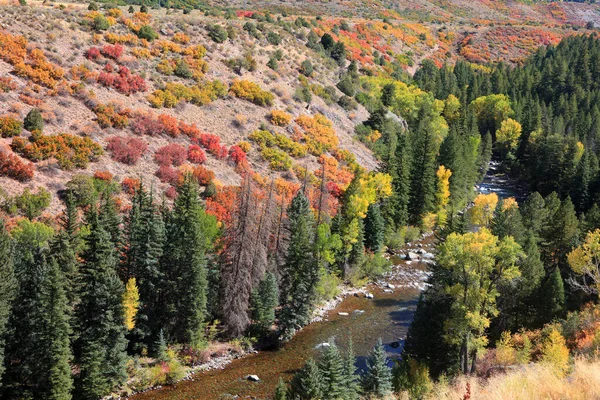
127 285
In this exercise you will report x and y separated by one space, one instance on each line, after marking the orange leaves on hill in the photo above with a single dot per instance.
252 92
222 204
112 115
115 51
30 64
13 167
10 126
6 84
130 185
70 151
318 133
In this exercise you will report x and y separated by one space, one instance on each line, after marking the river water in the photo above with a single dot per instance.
387 316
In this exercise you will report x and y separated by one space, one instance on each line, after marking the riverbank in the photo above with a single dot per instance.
381 309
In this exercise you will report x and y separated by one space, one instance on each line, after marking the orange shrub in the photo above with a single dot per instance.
280 118
203 175
70 151
181 38
13 167
112 115
10 126
6 84
130 185
103 176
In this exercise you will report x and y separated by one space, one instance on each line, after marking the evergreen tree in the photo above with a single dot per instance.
33 121
307 384
190 234
374 229
264 301
145 239
422 189
101 344
351 386
7 288
301 271
331 367
160 348
38 344
552 298
388 94
378 376
280 391
395 207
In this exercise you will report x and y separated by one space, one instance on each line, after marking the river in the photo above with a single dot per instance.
387 316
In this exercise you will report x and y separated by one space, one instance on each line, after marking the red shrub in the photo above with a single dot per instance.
167 174
196 154
13 167
103 176
171 192
146 124
171 154
127 151
212 143
124 81
130 185
92 53
203 175
237 154
114 52
334 189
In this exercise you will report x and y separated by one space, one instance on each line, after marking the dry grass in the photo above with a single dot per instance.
535 381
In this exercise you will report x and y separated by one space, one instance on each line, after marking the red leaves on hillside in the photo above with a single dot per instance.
115 51
196 154
123 81
127 151
171 154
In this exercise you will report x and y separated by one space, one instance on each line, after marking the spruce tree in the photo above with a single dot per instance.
395 207
301 271
331 367
145 238
374 229
307 384
377 379
7 288
101 344
552 298
422 188
34 121
190 234
39 330
264 301
280 391
352 387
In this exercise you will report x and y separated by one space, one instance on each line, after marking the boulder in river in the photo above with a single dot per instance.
343 314
428 256
369 295
253 378
390 286
322 345
358 312
412 256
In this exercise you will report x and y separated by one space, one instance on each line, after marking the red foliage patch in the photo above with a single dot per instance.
124 81
212 143
167 174
127 151
13 167
196 154
92 53
171 154
171 193
115 52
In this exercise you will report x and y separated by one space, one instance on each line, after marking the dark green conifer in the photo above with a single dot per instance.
377 379
331 367
374 229
7 288
307 384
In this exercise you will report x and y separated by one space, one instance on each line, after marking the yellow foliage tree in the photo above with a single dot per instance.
506 354
507 137
585 261
131 303
555 352
443 194
482 211
451 108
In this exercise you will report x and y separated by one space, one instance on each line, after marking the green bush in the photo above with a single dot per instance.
217 33
34 121
306 68
31 204
182 70
273 38
327 288
100 23
278 160
147 32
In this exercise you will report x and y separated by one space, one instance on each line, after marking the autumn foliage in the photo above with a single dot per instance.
70 151
126 150
13 167
123 80
171 154
10 126
196 154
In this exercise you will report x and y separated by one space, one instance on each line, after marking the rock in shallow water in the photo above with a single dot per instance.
253 378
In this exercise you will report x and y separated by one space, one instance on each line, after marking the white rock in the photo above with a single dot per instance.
390 286
253 378
344 314
369 296
322 345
